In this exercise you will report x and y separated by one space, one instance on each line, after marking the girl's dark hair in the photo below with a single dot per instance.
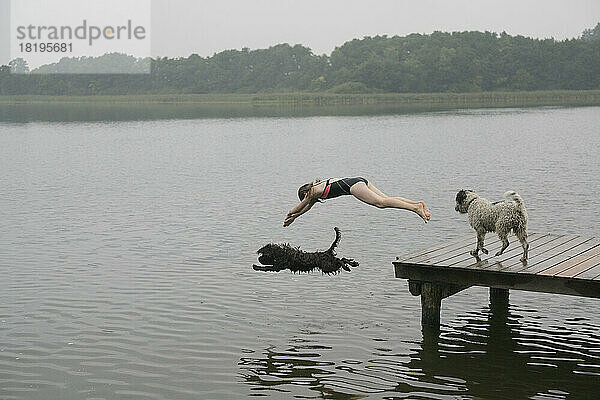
302 190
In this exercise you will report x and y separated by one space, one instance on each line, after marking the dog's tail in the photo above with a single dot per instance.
338 236
514 196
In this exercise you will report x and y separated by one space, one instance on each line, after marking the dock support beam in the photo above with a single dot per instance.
498 299
432 294
431 304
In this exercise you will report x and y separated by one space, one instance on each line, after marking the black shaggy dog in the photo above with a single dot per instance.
277 257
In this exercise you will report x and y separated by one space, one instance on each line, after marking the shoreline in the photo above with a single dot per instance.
453 100
22 109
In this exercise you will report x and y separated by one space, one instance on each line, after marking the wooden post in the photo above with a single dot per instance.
414 287
431 304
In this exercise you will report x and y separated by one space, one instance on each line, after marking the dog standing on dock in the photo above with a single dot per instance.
500 217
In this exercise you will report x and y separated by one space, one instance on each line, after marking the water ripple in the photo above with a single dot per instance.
125 253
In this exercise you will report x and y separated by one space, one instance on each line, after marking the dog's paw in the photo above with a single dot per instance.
474 252
524 260
266 268
499 253
259 267
349 262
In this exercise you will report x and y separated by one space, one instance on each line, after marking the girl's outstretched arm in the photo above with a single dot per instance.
305 205
293 215
300 206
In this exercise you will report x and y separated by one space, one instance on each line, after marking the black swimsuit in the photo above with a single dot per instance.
340 187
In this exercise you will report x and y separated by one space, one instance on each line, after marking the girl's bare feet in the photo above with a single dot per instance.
427 212
420 209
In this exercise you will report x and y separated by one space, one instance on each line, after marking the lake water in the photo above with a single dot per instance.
126 250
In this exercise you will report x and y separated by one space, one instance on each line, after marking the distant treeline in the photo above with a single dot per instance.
439 62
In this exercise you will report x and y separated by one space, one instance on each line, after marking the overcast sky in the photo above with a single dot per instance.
182 27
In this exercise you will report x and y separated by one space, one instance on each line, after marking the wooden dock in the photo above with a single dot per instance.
562 264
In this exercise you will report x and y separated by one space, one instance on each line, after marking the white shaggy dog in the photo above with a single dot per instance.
500 217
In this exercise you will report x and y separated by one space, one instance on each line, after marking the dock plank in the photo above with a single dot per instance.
573 261
438 247
469 259
593 274
441 250
491 261
581 267
538 253
444 259
444 253
452 256
554 249
559 262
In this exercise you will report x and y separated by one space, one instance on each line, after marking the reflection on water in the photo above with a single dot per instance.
507 354
61 112
488 354
297 365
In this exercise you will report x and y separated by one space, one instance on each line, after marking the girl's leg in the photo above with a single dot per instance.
363 193
377 191
380 193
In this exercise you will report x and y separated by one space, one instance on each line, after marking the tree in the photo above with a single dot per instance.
591 34
19 66
439 62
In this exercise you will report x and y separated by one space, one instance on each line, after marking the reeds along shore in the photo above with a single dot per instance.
452 100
